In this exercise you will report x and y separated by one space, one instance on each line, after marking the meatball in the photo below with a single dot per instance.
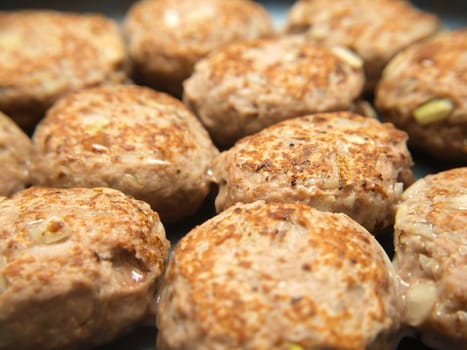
248 86
77 266
424 91
167 37
430 239
339 162
142 142
278 276
16 154
376 29
46 54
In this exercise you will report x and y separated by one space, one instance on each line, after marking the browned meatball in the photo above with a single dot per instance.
248 86
431 257
339 162
144 143
424 91
16 154
278 276
46 54
77 266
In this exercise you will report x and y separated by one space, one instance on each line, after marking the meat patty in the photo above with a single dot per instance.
16 154
46 54
248 86
167 37
376 29
338 162
278 276
424 91
77 266
431 257
142 142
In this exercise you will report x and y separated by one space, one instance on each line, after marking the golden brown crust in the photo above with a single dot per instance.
140 141
333 161
435 68
376 30
270 275
75 262
46 54
167 37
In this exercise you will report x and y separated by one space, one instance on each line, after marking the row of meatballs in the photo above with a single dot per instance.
273 264
79 266
238 74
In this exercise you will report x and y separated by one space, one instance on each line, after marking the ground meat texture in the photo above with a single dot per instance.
144 143
340 162
430 239
47 54
16 154
77 266
248 86
278 276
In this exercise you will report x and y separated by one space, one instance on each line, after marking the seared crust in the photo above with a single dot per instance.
46 54
339 162
16 154
435 68
77 266
248 86
431 251
375 29
143 142
167 37
279 276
